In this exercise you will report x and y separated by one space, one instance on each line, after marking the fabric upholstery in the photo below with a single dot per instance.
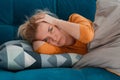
58 74
29 7
85 8
7 32
6 12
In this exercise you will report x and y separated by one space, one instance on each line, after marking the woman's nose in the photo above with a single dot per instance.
53 37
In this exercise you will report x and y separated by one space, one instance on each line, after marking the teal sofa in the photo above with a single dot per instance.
12 14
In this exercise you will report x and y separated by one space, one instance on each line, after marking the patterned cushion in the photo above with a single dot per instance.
18 55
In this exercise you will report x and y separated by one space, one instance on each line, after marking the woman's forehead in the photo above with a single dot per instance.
42 30
43 27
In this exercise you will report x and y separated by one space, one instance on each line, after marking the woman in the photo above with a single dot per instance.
50 35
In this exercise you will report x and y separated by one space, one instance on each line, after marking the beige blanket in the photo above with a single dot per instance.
104 50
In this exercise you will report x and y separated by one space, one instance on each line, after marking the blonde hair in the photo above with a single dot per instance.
28 29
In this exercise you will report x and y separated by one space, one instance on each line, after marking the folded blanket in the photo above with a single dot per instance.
104 50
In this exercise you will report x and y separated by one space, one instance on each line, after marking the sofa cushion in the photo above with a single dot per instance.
59 73
6 12
62 8
29 7
66 74
6 75
86 8
18 55
7 32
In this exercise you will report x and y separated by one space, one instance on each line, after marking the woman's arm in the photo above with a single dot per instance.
86 27
78 26
69 27
37 44
45 48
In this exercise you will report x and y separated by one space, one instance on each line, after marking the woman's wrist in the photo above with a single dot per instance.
56 22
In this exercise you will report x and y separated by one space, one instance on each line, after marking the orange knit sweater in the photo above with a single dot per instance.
80 46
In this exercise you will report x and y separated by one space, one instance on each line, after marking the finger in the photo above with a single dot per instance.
39 20
42 15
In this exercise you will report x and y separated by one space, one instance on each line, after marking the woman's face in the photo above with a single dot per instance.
53 35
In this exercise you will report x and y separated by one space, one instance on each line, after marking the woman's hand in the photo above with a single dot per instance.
45 48
47 18
37 44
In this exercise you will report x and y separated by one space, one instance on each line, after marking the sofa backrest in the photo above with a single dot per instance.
14 12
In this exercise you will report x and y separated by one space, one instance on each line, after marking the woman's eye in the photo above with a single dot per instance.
50 29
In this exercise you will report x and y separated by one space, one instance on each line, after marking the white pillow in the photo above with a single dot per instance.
18 55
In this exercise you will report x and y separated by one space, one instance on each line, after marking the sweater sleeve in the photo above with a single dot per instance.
86 27
48 49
